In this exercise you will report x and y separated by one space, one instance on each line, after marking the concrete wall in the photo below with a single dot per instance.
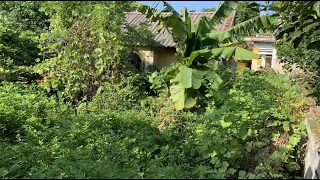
312 158
256 63
146 55
164 56
159 57
263 45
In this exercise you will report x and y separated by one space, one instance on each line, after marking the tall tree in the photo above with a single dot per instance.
25 14
21 24
89 44
298 34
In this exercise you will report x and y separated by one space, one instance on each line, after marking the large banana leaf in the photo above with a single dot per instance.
181 97
193 46
245 28
237 53
190 77
227 53
223 11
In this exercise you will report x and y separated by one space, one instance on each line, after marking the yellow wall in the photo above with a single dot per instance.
256 63
241 65
163 57
146 54
159 57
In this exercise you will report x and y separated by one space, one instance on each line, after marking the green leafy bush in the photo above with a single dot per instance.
88 46
256 131
22 106
118 97
252 134
19 52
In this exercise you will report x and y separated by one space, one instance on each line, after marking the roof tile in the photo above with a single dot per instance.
164 37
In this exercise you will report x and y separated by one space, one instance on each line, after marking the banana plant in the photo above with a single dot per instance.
199 43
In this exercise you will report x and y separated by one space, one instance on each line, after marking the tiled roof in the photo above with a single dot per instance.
164 37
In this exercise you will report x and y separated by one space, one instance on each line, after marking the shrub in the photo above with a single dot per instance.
22 105
255 132
252 134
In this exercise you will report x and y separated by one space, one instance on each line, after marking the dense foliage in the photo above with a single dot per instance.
21 23
94 114
199 43
298 38
251 126
245 11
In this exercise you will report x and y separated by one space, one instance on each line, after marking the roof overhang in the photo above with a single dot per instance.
266 37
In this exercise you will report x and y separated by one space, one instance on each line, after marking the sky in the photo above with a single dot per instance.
191 5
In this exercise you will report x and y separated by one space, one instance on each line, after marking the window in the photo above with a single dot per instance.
266 57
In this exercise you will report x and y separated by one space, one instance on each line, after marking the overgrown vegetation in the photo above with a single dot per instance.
84 110
298 41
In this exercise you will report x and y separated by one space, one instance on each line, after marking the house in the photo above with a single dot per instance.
164 54
263 44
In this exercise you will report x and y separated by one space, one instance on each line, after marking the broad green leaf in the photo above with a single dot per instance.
228 52
242 173
189 102
190 44
14 167
213 78
190 77
224 167
225 124
294 140
178 96
243 133
203 52
218 35
181 97
214 160
231 171
204 27
175 27
184 14
286 125
214 153
190 26
223 10
251 176
217 52
243 54
235 52
246 28
3 171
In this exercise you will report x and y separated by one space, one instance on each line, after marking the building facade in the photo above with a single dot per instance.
164 54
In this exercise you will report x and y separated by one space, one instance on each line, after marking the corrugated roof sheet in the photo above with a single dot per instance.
164 37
